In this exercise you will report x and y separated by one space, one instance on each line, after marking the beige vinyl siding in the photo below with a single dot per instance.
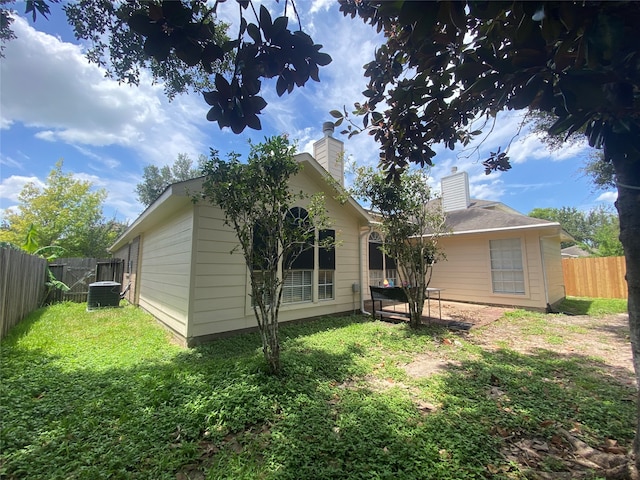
165 271
221 300
466 273
553 267
220 277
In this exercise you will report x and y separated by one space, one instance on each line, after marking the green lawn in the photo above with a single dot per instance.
105 394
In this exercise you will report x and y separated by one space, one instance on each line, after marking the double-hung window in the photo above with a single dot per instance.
507 273
381 266
327 264
298 286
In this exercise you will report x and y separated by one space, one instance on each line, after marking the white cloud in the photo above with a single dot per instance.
608 197
49 85
9 162
319 5
11 187
121 195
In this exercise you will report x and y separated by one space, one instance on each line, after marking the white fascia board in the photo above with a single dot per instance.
503 229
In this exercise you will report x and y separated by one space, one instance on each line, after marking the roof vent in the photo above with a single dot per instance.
327 129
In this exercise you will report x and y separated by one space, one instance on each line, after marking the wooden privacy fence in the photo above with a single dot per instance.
596 277
22 278
78 273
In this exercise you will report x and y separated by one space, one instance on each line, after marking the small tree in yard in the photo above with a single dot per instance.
259 205
410 226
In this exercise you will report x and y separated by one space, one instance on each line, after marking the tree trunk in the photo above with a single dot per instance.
415 299
268 327
627 171
271 344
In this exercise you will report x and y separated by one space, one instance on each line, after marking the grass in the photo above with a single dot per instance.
90 395
596 307
535 324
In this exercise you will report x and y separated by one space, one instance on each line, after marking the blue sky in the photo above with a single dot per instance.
54 104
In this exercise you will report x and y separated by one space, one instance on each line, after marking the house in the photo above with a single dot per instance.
496 255
574 251
179 265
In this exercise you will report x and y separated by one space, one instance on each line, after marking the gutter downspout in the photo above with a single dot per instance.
544 273
362 310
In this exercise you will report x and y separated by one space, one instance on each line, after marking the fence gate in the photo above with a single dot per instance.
78 273
110 270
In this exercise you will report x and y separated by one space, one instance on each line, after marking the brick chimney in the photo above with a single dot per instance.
455 191
329 153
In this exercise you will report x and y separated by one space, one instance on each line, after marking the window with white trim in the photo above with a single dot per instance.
325 285
326 264
507 273
298 286
381 266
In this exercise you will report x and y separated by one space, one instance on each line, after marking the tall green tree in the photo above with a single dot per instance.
596 231
572 220
66 212
259 205
410 226
444 65
605 232
155 180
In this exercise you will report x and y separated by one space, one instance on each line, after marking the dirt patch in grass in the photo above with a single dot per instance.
604 340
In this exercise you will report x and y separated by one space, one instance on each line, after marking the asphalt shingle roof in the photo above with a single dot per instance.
487 215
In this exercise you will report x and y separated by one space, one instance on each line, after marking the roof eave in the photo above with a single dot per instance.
181 189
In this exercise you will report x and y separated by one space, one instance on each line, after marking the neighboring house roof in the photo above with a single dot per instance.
574 252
